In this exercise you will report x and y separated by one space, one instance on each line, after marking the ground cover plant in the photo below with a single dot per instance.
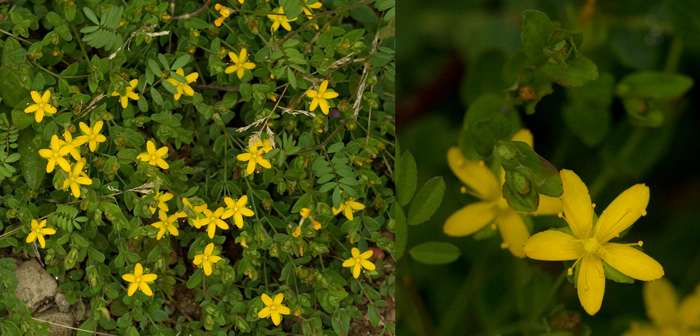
197 167
563 135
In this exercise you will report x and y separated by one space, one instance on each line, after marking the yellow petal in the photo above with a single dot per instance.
356 271
548 206
553 245
149 277
690 309
207 268
145 289
283 310
209 249
266 300
576 203
367 265
525 136
278 299
661 302
36 97
42 242
366 254
632 262
513 231
347 263
132 288
138 270
622 212
591 284
276 318
474 174
265 312
128 277
323 86
470 219
31 108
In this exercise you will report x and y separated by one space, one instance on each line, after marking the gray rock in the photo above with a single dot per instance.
62 303
55 316
35 285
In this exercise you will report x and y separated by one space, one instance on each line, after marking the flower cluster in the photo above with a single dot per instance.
305 213
347 208
254 155
201 215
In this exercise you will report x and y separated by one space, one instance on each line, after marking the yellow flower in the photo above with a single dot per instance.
182 87
667 316
206 259
315 5
493 208
305 212
224 11
139 280
280 19
159 200
359 261
154 157
167 223
320 96
38 232
75 178
41 105
214 220
55 155
72 145
589 245
237 209
240 63
254 156
317 224
262 146
273 308
347 208
92 135
129 93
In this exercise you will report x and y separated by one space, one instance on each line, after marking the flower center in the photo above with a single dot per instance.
591 245
273 308
357 260
138 279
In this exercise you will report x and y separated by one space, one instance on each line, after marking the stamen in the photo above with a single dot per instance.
644 212
493 226
570 271
504 245
460 162
481 163
640 243
560 215
463 190
593 205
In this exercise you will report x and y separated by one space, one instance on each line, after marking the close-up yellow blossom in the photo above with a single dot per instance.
41 105
262 146
76 177
254 157
92 135
183 87
279 19
238 209
240 63
39 230
492 208
358 261
154 157
347 208
273 308
55 154
590 244
307 8
167 223
319 97
224 12
206 259
160 201
214 219
130 94
668 316
72 144
138 280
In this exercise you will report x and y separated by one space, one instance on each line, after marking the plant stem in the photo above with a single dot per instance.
550 296
674 55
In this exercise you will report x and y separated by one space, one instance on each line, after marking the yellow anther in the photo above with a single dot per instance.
481 163
493 226
640 243
593 205
644 212
570 271
560 215
463 190
504 245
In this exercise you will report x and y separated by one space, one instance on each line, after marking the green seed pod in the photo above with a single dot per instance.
69 262
520 183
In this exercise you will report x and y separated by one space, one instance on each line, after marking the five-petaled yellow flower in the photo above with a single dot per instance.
224 11
359 261
274 308
55 155
214 219
160 201
139 281
154 157
92 135
206 259
238 209
254 156
668 317
72 144
590 243
347 208
320 96
129 93
38 232
183 87
280 19
314 5
240 63
167 223
75 178
493 208
41 105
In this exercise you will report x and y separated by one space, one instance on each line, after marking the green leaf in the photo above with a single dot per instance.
401 232
22 120
91 15
486 76
292 8
615 275
158 315
587 113
574 73
427 201
519 156
96 255
653 85
157 98
487 132
14 73
32 164
155 69
483 108
435 253
535 33
181 61
292 79
684 17
406 178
